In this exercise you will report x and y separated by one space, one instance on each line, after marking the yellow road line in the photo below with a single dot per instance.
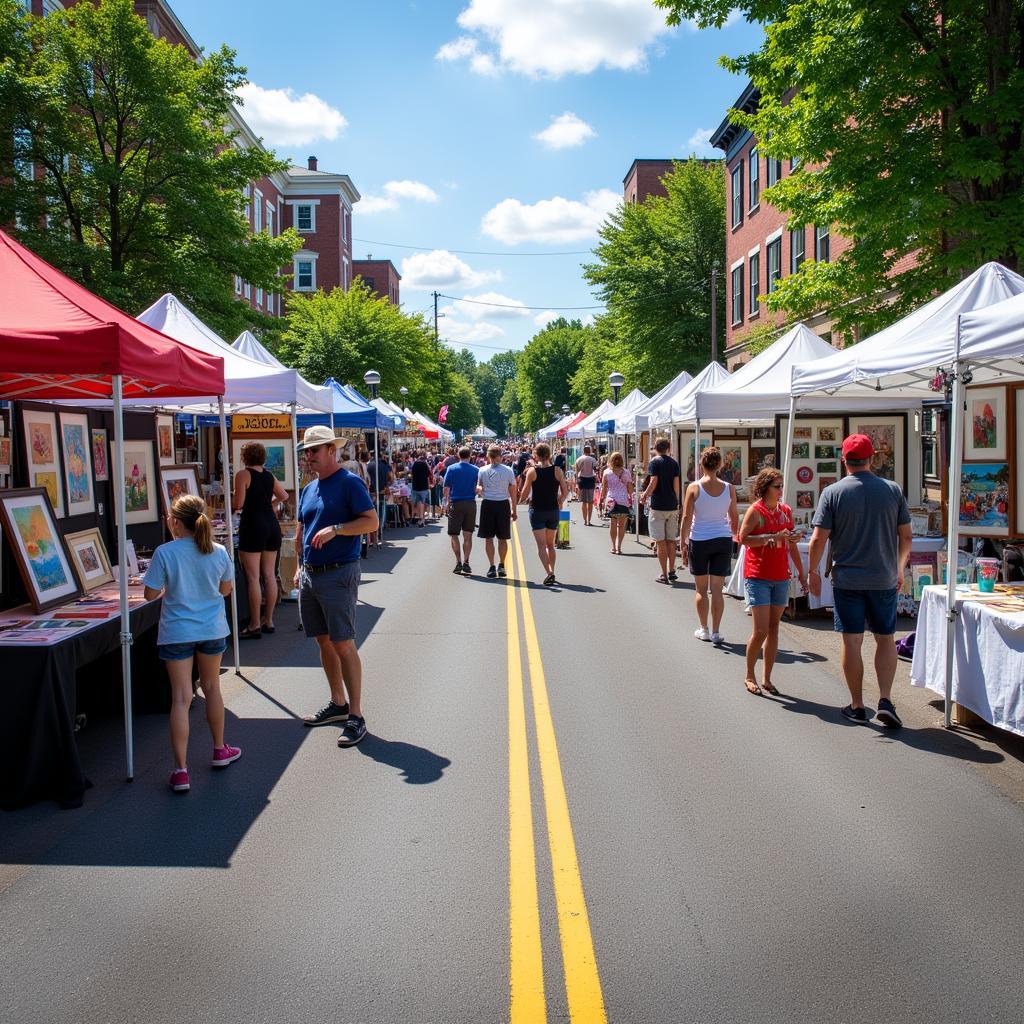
582 981
526 965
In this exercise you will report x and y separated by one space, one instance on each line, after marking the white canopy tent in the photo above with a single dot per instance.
669 411
443 433
585 427
552 429
636 421
608 424
249 345
483 431
973 333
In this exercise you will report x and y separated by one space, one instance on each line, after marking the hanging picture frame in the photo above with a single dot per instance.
165 438
985 499
687 453
735 459
42 455
100 462
39 550
76 446
89 558
140 482
178 480
280 457
985 425
887 434
5 455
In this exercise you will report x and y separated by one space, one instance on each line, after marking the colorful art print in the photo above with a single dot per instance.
801 433
828 434
14 624
280 458
41 454
827 467
39 550
100 465
985 499
89 558
923 576
734 459
986 427
884 441
763 433
761 458
804 474
805 499
826 481
41 444
74 432
824 451
5 455
137 467
48 481
801 451
178 480
165 439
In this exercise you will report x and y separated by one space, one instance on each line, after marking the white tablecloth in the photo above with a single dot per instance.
988 662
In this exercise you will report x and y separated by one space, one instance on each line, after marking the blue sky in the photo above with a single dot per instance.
434 109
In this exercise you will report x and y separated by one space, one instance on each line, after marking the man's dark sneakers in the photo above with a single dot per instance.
886 714
672 577
466 571
854 714
458 569
331 713
492 573
501 571
354 731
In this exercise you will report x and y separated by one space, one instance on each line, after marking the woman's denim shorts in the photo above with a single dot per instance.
184 652
762 592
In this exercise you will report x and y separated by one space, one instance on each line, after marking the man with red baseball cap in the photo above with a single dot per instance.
867 521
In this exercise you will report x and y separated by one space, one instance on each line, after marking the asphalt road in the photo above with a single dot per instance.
568 808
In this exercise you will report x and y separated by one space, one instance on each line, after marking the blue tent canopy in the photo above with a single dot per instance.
351 410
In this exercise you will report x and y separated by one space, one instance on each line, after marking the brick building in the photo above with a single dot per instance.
643 179
380 276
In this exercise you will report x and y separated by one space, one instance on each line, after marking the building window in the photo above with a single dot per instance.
930 444
238 285
344 223
344 274
755 178
821 244
270 219
737 195
737 295
259 297
755 282
774 249
247 290
305 274
52 7
257 206
773 170
368 281
305 218
794 163
270 302
797 248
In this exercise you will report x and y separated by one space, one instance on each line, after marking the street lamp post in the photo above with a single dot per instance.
565 410
616 380
547 408
372 380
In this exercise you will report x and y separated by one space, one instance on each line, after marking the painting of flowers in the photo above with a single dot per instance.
986 427
100 466
140 482
41 443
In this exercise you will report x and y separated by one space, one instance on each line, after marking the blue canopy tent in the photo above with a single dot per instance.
351 410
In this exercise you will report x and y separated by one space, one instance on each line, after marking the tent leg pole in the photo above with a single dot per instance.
788 451
122 543
226 484
956 412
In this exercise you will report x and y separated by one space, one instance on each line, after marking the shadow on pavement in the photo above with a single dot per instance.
418 765
783 657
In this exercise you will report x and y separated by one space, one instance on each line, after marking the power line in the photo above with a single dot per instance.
509 305
470 252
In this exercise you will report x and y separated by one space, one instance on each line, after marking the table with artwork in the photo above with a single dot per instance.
988 660
43 654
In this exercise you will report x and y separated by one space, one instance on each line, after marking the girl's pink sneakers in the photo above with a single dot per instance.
179 781
223 756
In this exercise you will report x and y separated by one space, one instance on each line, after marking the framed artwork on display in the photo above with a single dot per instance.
735 459
39 550
985 426
42 455
1020 459
178 480
165 438
985 499
280 457
89 558
100 465
887 435
802 433
5 455
763 433
77 448
140 482
761 457
687 453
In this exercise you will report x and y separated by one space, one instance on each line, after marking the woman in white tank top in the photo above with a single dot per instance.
709 523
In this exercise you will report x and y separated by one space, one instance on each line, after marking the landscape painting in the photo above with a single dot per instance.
985 499
280 459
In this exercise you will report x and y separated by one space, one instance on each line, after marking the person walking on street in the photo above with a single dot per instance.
497 486
662 491
194 575
544 487
460 504
380 476
586 481
710 521
421 480
769 535
616 498
867 521
335 510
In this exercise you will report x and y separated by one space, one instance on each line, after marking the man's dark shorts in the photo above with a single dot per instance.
855 608
495 520
461 517
327 602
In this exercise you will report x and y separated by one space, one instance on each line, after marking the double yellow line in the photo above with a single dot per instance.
582 982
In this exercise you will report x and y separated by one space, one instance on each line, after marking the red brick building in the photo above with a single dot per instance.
643 179
380 276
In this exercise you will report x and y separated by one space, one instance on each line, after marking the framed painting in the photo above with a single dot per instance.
42 456
140 482
1020 459
100 465
76 445
887 438
687 453
39 550
5 455
761 457
280 457
165 438
985 427
178 480
985 499
735 459
89 558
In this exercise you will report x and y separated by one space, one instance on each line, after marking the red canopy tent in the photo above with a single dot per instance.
580 417
58 341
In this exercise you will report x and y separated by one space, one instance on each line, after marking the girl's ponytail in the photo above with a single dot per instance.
190 511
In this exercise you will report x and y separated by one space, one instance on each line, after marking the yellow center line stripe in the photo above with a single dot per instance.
526 965
582 982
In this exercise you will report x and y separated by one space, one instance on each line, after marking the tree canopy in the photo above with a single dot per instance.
544 369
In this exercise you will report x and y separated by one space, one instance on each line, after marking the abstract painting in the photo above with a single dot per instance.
100 465
74 432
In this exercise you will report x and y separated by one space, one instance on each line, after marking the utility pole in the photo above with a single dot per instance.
714 312
435 316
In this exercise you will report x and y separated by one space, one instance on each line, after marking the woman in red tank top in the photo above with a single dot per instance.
769 536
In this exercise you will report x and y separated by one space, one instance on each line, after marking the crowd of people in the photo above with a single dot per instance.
863 519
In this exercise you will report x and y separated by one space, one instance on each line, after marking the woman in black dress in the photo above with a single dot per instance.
259 535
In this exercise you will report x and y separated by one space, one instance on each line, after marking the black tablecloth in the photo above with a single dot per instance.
38 752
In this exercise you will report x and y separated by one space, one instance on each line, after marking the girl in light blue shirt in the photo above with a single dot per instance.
193 575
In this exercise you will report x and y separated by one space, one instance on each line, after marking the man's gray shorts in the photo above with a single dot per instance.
327 602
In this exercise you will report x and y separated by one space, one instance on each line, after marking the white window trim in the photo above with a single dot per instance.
738 263
771 238
754 251
246 290
257 211
312 204
303 257
259 296
238 285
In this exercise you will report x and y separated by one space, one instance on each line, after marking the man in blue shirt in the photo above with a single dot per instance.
460 482
335 510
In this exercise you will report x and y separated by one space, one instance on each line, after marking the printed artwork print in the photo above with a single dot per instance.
165 441
136 485
41 444
985 496
76 464
99 455
49 481
883 440
42 549
90 559
983 423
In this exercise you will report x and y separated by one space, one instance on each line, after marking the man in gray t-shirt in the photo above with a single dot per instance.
867 520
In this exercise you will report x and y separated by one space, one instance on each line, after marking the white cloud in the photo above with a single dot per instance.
489 305
699 143
543 319
565 131
442 269
281 117
555 37
460 332
376 204
395 191
556 221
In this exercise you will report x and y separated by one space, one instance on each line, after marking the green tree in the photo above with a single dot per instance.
465 362
653 271
488 391
544 370
511 409
459 395
141 184
907 120
603 354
